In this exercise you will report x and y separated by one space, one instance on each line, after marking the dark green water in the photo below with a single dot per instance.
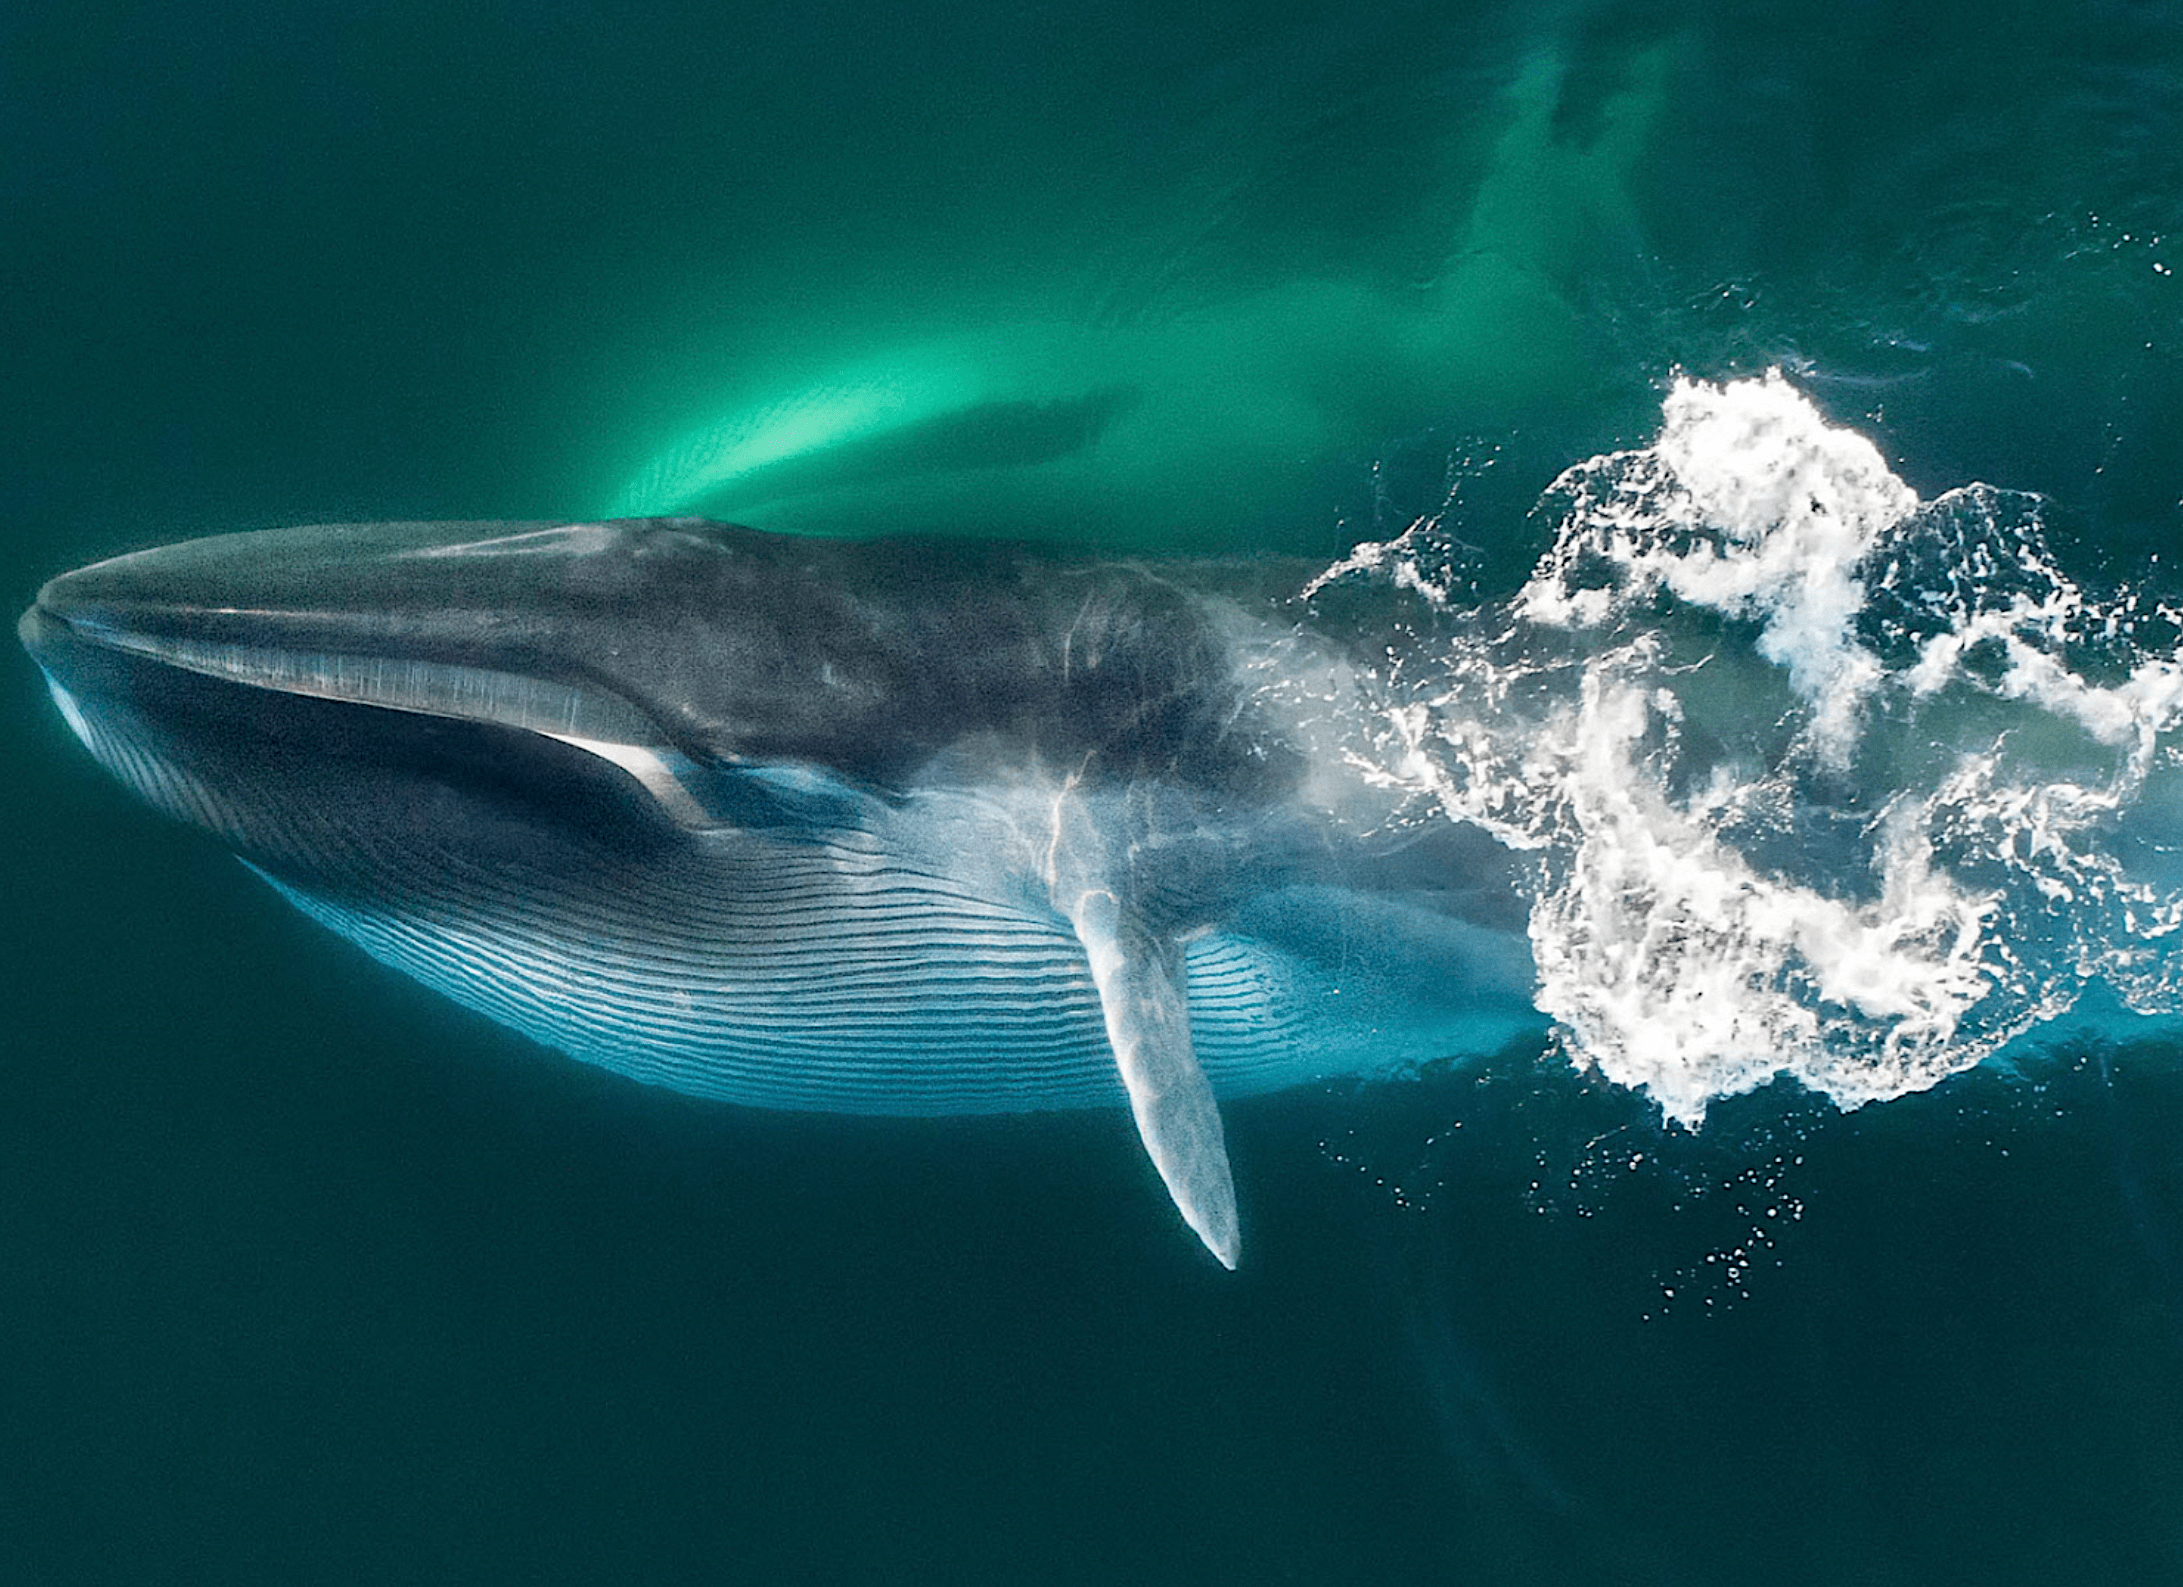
306 1276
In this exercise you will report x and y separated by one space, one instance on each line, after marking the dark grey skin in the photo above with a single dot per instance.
902 826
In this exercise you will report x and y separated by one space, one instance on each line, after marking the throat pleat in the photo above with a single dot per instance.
804 977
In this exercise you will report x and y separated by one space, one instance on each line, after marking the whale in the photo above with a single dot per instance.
902 825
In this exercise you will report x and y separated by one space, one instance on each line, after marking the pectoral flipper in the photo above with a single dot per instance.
1143 995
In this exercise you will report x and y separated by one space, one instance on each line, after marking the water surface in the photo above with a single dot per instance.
311 1277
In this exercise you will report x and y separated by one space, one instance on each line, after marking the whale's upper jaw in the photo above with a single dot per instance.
329 656
464 621
353 616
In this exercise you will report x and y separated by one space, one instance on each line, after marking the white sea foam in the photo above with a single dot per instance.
1817 779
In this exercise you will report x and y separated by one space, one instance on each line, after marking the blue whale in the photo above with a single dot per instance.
901 826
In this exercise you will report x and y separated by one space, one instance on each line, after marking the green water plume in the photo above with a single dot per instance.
1218 413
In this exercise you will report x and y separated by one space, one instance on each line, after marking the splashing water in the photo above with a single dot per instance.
1814 778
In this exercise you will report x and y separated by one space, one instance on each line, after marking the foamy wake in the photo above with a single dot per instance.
1818 779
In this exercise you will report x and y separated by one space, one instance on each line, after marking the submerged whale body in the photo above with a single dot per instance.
896 826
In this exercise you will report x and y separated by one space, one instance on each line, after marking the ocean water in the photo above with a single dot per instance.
1757 433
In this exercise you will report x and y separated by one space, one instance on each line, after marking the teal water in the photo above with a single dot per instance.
307 1276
